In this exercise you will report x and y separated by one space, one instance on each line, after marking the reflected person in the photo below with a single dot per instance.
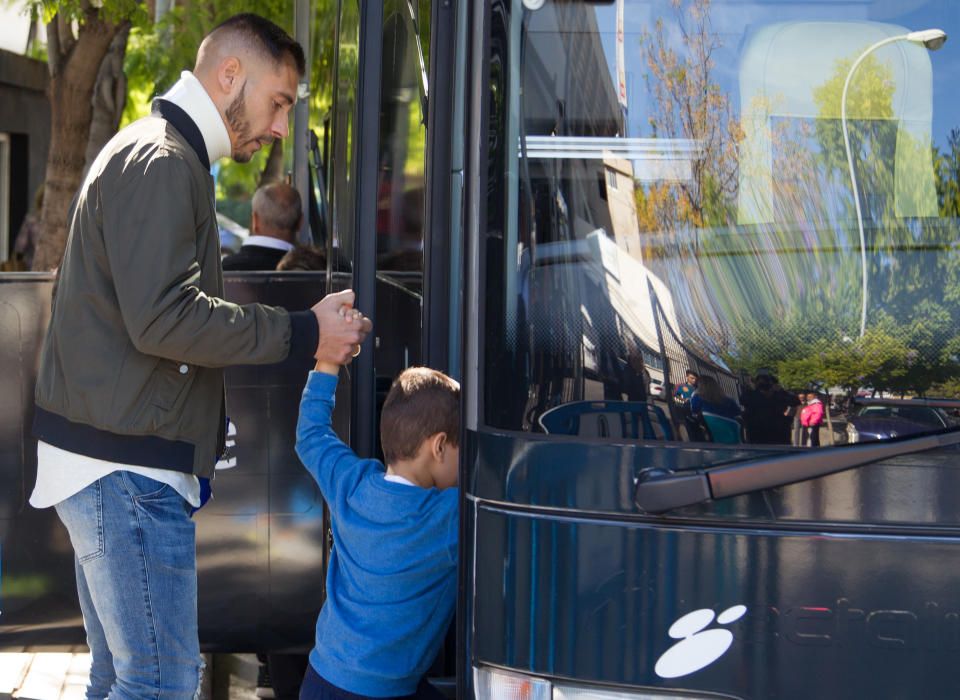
811 418
633 379
766 408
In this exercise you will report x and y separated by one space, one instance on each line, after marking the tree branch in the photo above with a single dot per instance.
67 39
54 58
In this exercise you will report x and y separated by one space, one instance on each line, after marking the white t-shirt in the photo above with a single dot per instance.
397 479
61 474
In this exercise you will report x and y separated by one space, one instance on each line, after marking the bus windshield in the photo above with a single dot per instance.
722 221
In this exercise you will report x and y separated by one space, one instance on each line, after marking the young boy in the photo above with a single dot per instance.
392 577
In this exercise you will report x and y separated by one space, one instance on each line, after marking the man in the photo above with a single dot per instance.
274 223
130 404
682 396
685 391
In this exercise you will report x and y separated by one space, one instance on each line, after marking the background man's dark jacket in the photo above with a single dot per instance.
254 257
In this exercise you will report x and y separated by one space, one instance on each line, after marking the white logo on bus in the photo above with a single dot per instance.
697 648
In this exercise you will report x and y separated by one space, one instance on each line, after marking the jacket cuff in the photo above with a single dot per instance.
304 335
322 383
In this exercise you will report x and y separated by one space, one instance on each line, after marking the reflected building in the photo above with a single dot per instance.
588 319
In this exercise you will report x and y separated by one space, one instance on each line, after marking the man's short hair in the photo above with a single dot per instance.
265 37
422 402
278 205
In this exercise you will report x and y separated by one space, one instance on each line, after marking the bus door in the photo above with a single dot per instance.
383 207
396 249
752 195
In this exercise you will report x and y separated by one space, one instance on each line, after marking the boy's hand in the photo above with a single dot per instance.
342 329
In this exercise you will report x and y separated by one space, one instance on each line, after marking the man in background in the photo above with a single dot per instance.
276 218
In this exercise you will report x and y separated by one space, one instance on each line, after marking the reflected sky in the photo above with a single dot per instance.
733 22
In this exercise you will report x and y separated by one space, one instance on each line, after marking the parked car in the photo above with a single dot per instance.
232 234
881 419
656 389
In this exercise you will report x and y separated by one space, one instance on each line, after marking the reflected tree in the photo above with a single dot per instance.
812 252
688 103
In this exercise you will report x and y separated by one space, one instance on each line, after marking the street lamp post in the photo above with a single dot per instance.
932 39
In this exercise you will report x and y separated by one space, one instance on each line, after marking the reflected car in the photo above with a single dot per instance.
232 234
884 419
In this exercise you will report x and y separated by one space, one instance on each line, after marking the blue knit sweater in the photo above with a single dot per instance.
392 577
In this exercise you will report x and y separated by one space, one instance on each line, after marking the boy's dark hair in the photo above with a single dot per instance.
422 402
691 373
266 36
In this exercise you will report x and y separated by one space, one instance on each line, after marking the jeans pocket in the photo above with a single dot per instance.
143 488
82 514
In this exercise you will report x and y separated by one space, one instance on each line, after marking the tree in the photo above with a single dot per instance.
688 103
79 34
787 293
89 42
109 97
947 167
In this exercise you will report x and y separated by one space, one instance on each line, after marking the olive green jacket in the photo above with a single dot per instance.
131 367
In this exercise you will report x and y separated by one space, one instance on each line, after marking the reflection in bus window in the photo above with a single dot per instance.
758 192
342 178
400 187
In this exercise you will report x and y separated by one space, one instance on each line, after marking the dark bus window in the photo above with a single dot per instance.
400 186
682 199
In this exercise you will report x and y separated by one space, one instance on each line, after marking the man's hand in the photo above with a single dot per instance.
342 328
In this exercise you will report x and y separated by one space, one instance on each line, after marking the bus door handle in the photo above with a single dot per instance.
661 490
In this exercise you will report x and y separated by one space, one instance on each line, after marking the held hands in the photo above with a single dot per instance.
342 330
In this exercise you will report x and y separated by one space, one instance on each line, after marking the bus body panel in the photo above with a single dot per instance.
596 601
852 574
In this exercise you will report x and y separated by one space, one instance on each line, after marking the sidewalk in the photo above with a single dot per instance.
44 676
63 676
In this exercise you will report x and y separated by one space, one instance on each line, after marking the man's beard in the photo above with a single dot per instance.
237 119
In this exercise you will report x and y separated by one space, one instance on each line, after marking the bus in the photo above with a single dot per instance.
571 206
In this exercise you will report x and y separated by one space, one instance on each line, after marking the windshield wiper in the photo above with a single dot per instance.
660 490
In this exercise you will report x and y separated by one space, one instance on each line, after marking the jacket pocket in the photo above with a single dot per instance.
168 382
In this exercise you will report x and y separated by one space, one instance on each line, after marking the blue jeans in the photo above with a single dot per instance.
137 580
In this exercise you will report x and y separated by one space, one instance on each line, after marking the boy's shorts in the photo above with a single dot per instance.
315 687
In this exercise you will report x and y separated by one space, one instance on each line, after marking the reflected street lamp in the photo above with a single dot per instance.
932 39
